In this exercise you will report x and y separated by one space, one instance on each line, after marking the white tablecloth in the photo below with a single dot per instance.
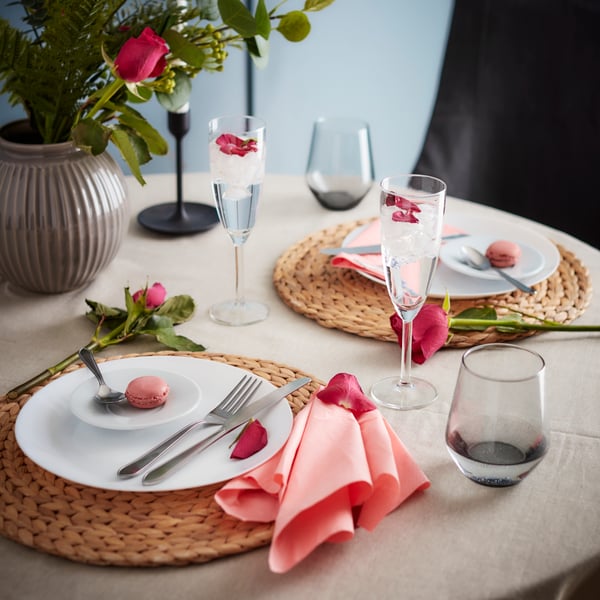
456 540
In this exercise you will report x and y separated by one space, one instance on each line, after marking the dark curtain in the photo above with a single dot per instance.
516 123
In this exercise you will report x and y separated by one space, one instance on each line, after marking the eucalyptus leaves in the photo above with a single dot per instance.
147 312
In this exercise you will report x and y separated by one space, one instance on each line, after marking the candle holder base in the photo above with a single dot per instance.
179 219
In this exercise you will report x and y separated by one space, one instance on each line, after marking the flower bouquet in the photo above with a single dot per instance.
79 66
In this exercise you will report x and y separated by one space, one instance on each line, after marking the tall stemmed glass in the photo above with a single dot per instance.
411 210
237 168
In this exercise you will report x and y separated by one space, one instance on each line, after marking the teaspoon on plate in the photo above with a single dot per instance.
479 261
105 394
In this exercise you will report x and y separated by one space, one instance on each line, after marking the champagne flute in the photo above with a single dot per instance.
237 168
411 213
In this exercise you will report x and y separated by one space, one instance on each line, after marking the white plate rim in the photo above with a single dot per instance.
55 439
85 408
463 287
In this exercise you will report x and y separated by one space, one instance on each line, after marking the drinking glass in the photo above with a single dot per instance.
237 168
496 432
411 210
339 172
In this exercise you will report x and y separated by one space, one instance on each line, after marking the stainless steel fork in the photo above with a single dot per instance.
237 398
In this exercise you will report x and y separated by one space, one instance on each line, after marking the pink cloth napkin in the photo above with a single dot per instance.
371 263
366 263
336 472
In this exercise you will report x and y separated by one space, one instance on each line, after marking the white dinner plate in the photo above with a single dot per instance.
530 262
460 286
184 397
53 437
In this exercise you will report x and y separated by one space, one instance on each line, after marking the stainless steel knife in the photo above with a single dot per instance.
163 470
375 248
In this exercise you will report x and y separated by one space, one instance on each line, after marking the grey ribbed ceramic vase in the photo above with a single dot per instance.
63 212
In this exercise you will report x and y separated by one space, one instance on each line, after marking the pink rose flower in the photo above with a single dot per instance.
142 57
231 144
429 334
155 295
252 439
344 390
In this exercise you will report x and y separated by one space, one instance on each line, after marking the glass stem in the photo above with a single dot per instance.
406 352
239 273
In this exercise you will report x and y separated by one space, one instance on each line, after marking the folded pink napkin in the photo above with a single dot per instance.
342 467
366 263
371 263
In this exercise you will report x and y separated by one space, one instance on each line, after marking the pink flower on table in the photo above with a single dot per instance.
142 57
252 439
231 144
429 333
406 209
344 390
155 295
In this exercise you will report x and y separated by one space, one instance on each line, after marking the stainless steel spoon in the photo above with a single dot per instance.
105 394
479 261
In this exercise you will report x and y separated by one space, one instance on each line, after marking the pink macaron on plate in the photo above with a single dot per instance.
184 396
530 263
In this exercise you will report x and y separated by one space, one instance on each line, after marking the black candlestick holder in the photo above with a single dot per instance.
179 218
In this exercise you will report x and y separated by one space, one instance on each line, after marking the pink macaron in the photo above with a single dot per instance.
503 253
148 391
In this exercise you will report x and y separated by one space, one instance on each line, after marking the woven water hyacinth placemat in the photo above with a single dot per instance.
108 527
343 299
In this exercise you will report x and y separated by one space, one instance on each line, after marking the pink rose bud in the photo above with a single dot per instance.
155 295
252 439
142 57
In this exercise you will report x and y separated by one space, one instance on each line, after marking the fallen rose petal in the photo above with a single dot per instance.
407 209
400 216
252 439
231 144
344 390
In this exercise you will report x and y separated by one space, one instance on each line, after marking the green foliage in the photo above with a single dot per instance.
295 26
115 325
60 66
477 314
52 69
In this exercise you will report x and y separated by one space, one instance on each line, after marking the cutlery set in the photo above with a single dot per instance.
233 412
239 418
237 398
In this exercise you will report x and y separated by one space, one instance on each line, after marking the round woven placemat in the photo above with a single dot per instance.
107 527
343 299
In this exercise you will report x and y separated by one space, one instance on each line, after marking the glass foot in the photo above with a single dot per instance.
238 313
391 393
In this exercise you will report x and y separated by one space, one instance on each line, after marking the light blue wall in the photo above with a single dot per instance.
378 60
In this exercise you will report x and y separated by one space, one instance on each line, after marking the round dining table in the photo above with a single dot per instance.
455 540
